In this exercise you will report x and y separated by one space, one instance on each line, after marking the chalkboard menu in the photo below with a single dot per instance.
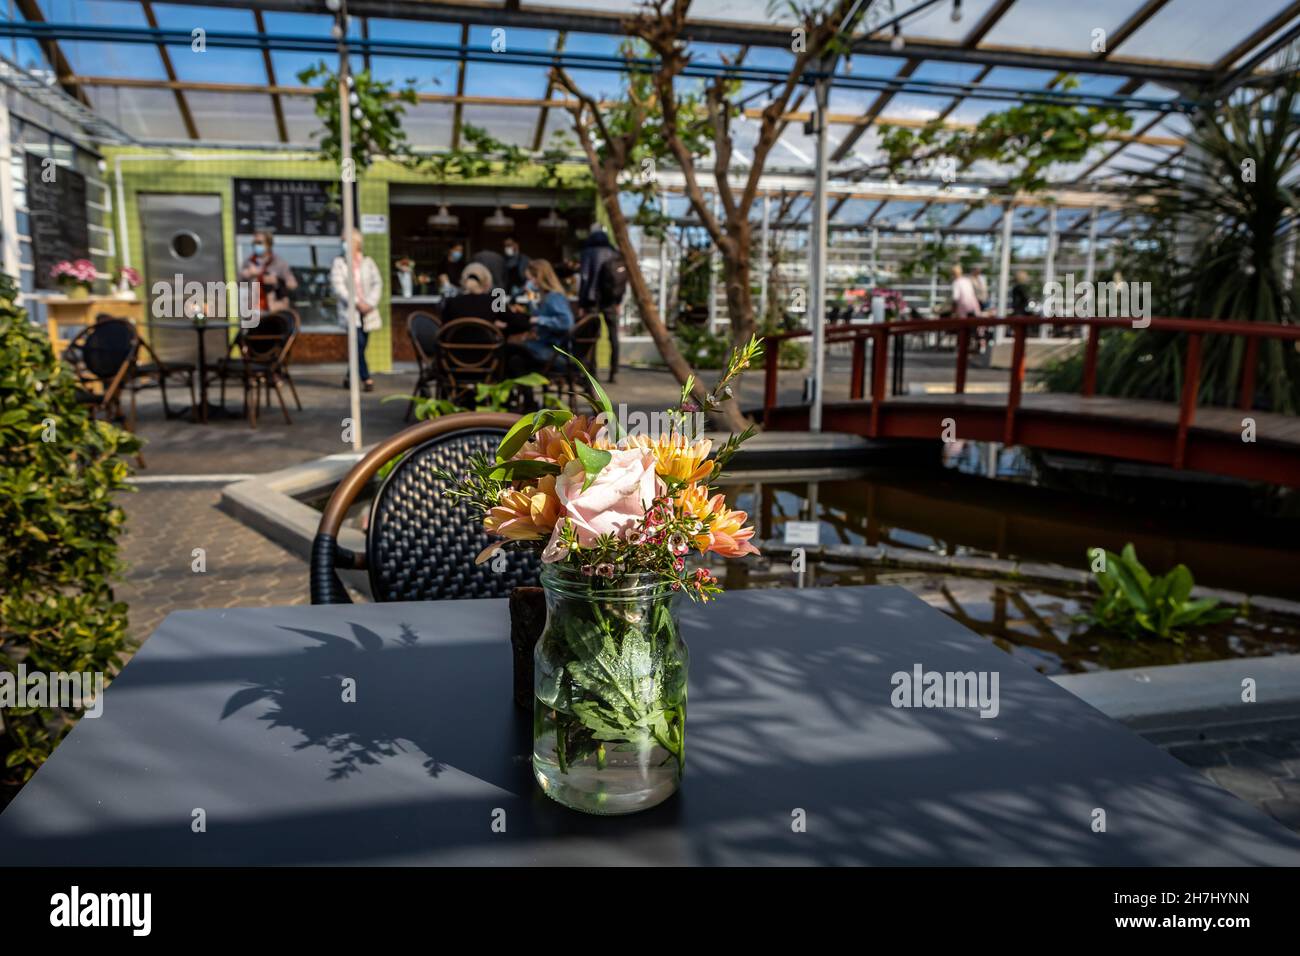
286 207
57 208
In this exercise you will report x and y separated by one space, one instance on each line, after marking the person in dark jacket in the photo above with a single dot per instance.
1020 294
496 264
516 267
596 251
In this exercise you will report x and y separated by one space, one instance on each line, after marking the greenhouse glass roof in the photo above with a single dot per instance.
132 63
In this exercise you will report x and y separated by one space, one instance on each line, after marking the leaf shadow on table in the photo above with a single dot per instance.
403 694
789 711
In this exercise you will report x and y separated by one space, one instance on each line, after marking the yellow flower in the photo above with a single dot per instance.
525 514
556 444
675 457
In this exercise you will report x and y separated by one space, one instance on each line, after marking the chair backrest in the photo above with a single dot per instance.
584 336
423 327
270 340
469 350
102 354
420 544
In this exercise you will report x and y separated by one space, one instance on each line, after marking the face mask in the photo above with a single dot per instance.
511 252
259 249
455 256
531 285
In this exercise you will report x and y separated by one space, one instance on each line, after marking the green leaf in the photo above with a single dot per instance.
1129 584
528 426
523 469
1130 559
602 400
515 438
593 461
1180 584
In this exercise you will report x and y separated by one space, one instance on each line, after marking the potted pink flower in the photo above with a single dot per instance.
620 519
74 277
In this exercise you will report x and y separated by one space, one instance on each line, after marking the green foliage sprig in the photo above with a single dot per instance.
60 472
1030 138
377 111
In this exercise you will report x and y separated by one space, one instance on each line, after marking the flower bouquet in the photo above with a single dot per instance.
618 517
127 281
74 277
406 275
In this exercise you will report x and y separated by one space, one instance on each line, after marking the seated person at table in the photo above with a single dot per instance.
475 298
551 321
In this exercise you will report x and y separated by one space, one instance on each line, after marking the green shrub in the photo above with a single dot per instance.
59 473
1138 604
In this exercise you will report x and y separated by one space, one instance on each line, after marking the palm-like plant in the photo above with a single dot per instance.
1225 216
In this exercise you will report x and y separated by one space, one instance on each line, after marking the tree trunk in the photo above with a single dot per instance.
740 300
607 184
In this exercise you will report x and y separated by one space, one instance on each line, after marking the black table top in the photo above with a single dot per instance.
241 713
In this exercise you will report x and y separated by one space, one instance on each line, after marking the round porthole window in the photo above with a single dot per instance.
185 245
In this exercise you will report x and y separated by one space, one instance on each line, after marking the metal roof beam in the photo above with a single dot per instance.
458 112
550 91
181 103
872 112
31 12
276 106
729 33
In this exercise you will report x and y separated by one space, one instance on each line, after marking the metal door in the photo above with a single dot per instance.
183 243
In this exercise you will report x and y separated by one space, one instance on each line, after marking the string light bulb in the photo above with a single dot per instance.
956 11
896 42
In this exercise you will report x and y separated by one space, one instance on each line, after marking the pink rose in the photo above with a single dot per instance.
615 502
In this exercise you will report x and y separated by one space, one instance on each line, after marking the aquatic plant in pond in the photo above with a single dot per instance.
1139 604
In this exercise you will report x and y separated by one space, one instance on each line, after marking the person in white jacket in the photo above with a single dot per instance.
370 288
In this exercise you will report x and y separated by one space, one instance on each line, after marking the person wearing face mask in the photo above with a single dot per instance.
274 277
516 267
452 266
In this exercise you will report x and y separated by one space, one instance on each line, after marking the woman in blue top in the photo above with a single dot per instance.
551 320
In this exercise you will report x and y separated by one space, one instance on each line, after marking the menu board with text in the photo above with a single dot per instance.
56 204
286 207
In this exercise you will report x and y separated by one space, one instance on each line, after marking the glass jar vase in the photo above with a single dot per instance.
609 709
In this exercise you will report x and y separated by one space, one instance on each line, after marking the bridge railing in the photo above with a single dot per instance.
880 335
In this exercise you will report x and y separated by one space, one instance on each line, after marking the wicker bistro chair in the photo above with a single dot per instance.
284 362
102 357
263 351
154 372
469 351
423 329
420 544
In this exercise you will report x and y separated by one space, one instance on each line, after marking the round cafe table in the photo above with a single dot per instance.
201 411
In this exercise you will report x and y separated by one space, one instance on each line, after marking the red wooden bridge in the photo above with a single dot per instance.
1185 435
